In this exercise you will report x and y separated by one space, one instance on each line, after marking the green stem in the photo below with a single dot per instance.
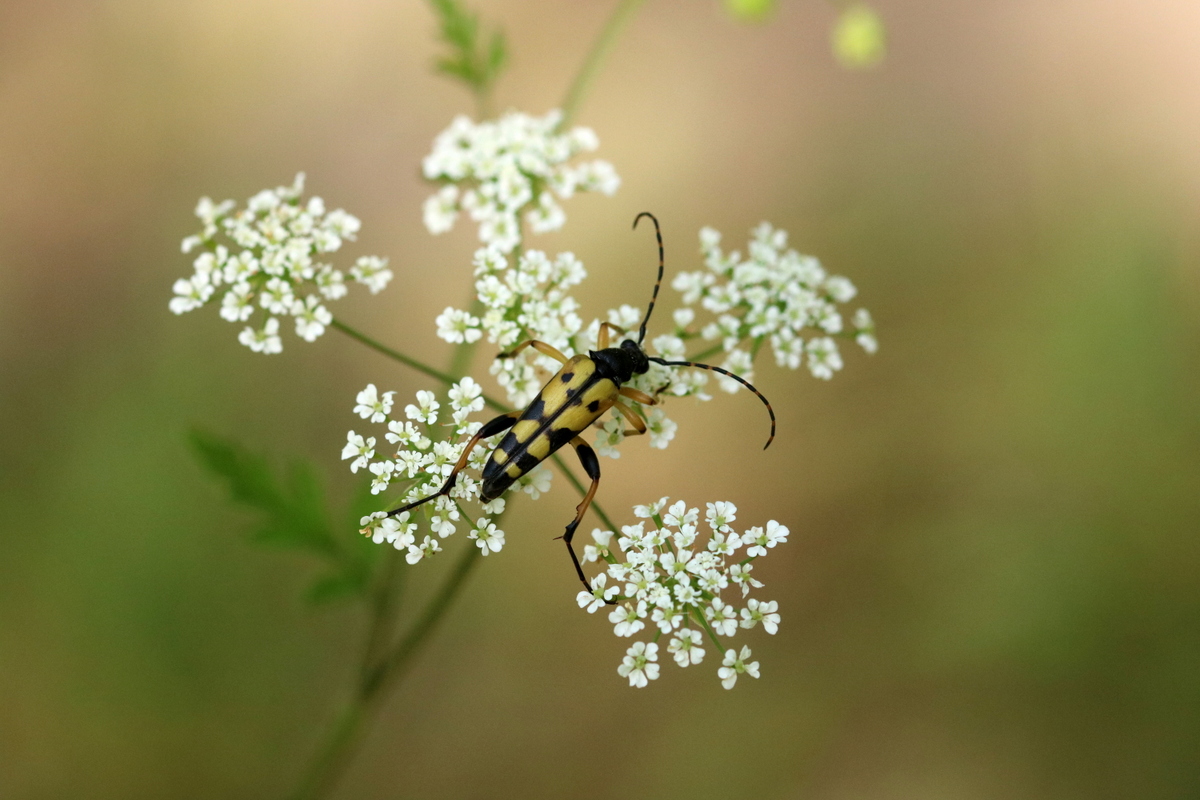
349 729
383 609
409 361
699 615
335 756
462 354
591 65
703 354
398 662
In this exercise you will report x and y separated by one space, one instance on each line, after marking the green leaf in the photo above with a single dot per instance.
497 55
750 10
248 475
859 37
293 515
472 61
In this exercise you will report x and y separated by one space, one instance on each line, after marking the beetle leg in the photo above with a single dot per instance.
638 397
541 347
639 424
497 425
602 340
591 466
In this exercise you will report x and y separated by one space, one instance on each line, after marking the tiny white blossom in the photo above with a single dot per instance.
429 547
425 410
720 514
361 450
599 596
382 470
406 434
762 539
487 536
372 272
263 340
610 435
599 550
679 515
823 357
626 620
864 329
441 210
685 647
638 664
457 326
236 305
650 510
466 395
311 318
739 574
190 294
766 613
735 665
372 405
722 617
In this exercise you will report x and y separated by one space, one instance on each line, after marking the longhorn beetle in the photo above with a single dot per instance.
585 388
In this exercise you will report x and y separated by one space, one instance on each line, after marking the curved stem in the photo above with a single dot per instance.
335 756
462 354
591 65
383 607
708 629
396 355
394 667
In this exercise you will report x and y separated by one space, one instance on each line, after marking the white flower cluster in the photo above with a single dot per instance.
508 171
772 295
266 257
524 298
662 576
426 451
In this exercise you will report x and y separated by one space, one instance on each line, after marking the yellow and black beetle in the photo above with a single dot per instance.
585 388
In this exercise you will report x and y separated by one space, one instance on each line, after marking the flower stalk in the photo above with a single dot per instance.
595 58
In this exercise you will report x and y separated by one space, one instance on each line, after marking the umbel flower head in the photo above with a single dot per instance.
509 172
774 295
425 444
680 578
265 261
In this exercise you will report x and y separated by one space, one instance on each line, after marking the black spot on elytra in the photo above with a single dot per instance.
536 409
594 406
567 376
559 437
526 462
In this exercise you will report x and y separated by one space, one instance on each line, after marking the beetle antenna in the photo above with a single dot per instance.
727 374
658 283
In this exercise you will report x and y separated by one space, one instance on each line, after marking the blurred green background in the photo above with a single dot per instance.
991 588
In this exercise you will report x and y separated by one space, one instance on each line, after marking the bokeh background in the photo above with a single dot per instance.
991 588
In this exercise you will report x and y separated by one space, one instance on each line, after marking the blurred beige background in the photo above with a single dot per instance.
991 588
